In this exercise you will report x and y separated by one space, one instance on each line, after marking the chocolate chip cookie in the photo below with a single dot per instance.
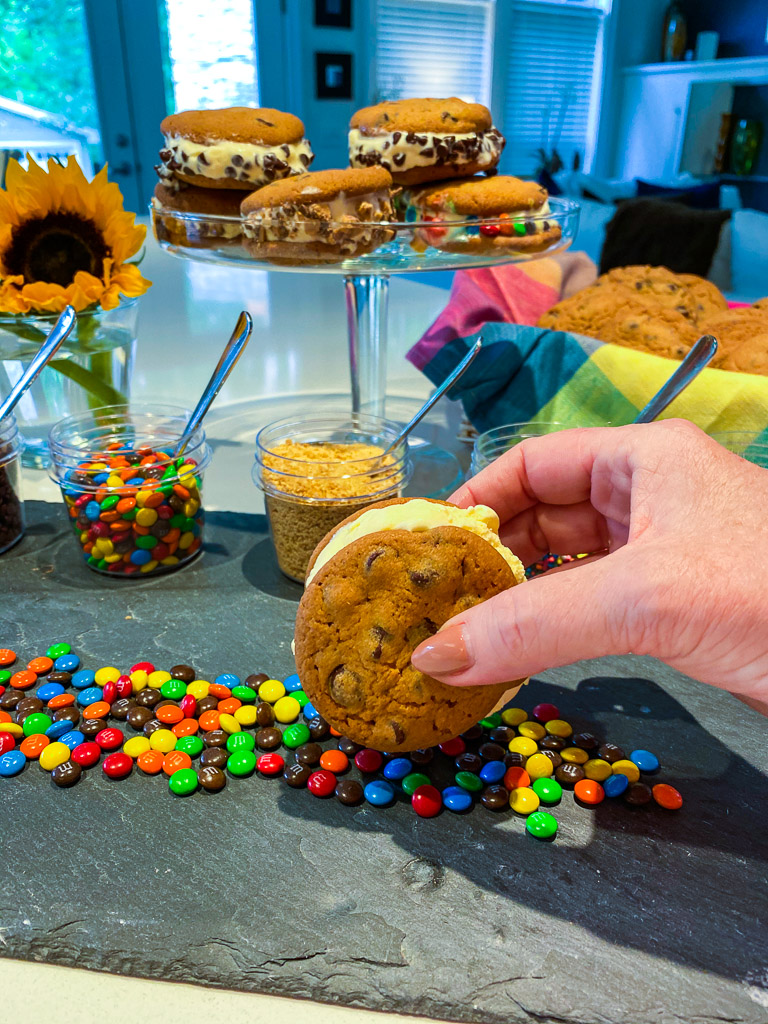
655 285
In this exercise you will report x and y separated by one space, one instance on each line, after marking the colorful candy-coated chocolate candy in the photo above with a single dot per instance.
53 755
368 761
615 785
523 800
491 721
310 711
469 781
539 766
86 754
174 760
49 691
241 763
532 730
173 689
667 796
106 674
457 799
32 746
162 740
380 793
235 741
574 755
7 656
523 745
287 709
295 735
11 762
7 742
109 738
549 791
270 764
598 769
37 722
638 794
66 774
156 678
72 738
321 783
117 765
427 801
245 694
626 767
516 778
194 746
335 761
229 723
23 680
135 746
56 729
98 709
58 651
246 715
169 714
558 727
91 695
412 782
454 747
151 762
144 666
40 666
587 791
12 727
541 825
66 662
271 690
292 683
183 782
227 679
493 772
645 761
83 679
545 712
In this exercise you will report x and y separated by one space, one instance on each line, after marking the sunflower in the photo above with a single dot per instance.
65 240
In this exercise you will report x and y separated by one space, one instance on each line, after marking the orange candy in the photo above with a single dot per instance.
667 796
125 505
335 761
5 717
170 714
216 689
186 727
40 665
209 720
31 746
23 680
181 491
61 700
7 656
175 760
154 500
229 705
99 709
150 762
589 792
516 778
334 732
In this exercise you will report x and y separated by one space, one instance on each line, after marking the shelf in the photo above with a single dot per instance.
745 179
739 70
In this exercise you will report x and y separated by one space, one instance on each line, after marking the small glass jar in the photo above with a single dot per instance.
317 470
493 443
11 504
750 445
135 508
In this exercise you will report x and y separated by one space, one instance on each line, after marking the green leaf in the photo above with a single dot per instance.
93 383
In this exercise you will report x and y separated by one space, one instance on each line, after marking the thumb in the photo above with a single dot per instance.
549 621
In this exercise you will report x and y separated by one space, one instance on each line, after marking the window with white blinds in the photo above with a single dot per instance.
434 48
553 60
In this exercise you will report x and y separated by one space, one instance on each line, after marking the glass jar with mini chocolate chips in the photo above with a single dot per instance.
316 471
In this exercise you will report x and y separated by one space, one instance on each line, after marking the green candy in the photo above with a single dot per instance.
541 824
102 564
109 502
191 745
36 723
173 689
177 521
492 721
147 542
5 675
242 762
301 697
166 489
130 515
240 741
469 781
549 791
295 735
57 650
519 228
189 525
183 782
244 694
171 471
412 782
92 561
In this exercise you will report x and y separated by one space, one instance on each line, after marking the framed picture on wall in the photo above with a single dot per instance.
333 76
333 13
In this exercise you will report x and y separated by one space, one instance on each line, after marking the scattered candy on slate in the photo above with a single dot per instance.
172 718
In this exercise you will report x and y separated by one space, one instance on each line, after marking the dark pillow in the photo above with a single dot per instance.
662 234
700 197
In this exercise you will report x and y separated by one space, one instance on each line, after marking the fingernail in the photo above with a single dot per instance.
443 653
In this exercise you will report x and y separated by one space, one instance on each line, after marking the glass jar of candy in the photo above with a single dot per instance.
493 443
11 504
317 470
135 506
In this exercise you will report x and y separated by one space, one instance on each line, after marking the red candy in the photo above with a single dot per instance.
545 713
321 783
667 796
516 778
452 748
109 692
118 765
368 760
7 742
143 666
272 764
86 754
109 738
188 706
426 801
124 687
490 230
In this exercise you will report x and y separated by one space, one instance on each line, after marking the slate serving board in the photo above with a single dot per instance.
633 916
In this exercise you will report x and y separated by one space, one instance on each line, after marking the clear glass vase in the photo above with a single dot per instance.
91 369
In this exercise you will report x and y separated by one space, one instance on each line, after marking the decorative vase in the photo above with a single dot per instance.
745 145
674 35
92 368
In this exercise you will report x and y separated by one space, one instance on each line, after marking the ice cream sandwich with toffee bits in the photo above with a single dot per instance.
207 217
425 139
238 147
321 217
385 579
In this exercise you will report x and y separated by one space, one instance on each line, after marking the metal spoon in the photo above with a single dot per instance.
697 358
59 333
449 380
224 367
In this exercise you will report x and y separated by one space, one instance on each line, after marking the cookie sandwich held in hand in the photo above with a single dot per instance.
420 140
384 580
319 217
240 148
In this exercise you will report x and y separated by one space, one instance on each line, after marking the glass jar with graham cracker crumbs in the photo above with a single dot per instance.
317 470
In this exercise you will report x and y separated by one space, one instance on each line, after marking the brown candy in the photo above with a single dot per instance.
214 757
554 757
349 791
502 734
492 752
296 775
514 759
153 725
215 738
423 756
148 697
183 672
473 733
610 753
469 762
66 774
256 679
348 746
67 715
585 740
265 716
569 774
309 753
211 777
209 703
138 717
269 739
638 794
121 709
318 728
91 726
495 798
553 743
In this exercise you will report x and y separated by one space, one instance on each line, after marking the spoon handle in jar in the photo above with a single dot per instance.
60 332
695 361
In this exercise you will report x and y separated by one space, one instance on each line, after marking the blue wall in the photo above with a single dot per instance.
741 24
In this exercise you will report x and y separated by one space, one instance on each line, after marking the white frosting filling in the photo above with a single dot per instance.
393 151
241 161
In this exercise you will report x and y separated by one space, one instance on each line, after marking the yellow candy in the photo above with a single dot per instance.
539 766
149 566
170 560
108 674
533 730
105 546
190 508
112 558
287 709
186 539
246 715
161 739
523 800
12 728
146 517
523 745
598 769
136 745
574 755
513 716
271 690
114 481
557 727
228 723
53 755
157 678
198 688
141 498
139 680
85 537
628 768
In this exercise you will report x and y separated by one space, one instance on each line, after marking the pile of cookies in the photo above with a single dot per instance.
425 160
653 310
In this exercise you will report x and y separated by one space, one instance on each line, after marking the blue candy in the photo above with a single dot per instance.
457 799
136 481
292 683
11 762
89 696
493 772
101 478
227 679
310 711
379 793
83 678
397 768
93 510
645 761
49 690
71 739
615 785
66 663
57 729
141 557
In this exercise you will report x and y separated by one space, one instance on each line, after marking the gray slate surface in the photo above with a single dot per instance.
631 916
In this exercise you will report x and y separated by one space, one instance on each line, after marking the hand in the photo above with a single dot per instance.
681 526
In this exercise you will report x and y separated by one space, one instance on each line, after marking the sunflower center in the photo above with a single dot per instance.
53 248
